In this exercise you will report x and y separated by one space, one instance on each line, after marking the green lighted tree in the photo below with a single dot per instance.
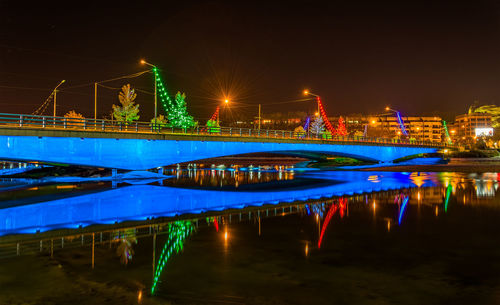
128 111
178 115
213 126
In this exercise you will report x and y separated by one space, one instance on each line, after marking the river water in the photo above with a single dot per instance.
264 237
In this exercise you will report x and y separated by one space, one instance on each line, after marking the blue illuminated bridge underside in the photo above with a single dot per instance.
144 151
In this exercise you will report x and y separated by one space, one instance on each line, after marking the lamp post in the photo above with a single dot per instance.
55 98
306 92
154 70
400 120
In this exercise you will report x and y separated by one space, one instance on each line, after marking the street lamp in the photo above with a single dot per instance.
55 98
400 120
154 70
306 92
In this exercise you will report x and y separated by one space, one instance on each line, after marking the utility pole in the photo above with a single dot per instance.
55 99
259 117
95 103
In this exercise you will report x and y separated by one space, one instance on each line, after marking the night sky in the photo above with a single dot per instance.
420 57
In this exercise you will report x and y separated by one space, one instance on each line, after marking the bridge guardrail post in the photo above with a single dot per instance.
120 126
240 132
84 124
267 133
249 132
230 131
43 122
136 127
21 120
103 125
65 123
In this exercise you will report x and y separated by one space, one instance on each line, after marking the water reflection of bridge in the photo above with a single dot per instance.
102 216
143 202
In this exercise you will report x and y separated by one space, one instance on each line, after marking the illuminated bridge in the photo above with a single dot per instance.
140 146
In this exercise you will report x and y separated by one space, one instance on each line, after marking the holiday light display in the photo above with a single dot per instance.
178 231
306 124
448 138
341 130
215 116
176 110
322 112
401 124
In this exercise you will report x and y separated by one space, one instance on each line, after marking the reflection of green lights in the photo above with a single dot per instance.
178 231
447 199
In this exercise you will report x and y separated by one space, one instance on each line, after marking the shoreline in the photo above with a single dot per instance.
464 168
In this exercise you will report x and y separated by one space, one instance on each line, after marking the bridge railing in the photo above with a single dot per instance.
93 125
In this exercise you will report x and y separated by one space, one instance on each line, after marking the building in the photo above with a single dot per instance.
469 126
418 128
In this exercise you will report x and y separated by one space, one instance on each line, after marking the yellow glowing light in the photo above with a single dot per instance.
143 62
226 101
317 217
139 297
373 121
418 195
418 128
316 114
399 132
388 225
374 205
306 92
307 249
453 131
387 108
225 236
437 211
445 151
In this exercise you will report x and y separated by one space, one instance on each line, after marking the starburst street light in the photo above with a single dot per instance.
154 70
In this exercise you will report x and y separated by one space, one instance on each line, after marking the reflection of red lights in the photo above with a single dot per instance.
342 206
216 224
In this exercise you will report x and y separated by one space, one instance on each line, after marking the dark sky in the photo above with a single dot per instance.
420 57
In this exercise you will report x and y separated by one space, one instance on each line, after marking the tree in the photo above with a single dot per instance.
161 122
74 119
213 126
128 111
317 126
178 115
299 132
341 130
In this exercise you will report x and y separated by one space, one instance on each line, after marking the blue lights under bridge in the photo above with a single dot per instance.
138 146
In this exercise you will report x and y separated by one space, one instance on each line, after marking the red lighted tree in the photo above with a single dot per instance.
341 130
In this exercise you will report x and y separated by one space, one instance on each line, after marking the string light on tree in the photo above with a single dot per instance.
176 110
341 130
